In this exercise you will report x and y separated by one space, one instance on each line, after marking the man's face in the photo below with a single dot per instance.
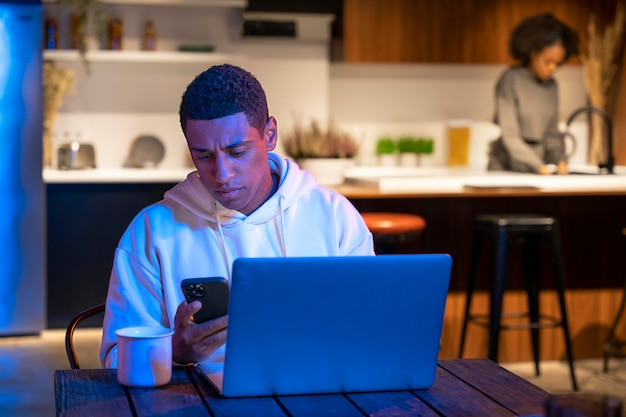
231 158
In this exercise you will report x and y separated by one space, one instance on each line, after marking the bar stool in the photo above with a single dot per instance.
528 229
613 346
394 232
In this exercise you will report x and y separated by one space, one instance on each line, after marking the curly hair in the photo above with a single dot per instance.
221 91
538 32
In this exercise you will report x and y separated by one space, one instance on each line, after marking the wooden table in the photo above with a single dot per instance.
463 387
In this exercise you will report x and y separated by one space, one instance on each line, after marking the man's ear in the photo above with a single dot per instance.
270 134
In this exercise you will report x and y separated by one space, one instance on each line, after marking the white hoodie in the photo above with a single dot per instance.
189 234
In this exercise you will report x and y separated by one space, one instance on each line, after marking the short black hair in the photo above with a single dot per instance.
221 91
537 32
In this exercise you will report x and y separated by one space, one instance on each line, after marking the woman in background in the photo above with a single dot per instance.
527 98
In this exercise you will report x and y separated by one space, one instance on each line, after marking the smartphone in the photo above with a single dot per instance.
213 292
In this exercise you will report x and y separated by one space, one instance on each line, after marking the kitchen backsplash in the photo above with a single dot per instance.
112 135
369 100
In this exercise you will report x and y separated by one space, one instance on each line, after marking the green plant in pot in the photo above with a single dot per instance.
408 148
424 146
386 146
387 151
407 144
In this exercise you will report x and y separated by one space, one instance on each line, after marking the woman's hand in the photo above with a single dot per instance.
544 170
561 168
196 342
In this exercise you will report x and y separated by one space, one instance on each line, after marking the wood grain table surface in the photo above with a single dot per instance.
463 387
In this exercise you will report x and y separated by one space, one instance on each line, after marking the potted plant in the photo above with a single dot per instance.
386 149
408 148
424 146
85 13
325 151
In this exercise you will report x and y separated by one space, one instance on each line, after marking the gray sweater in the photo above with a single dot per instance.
527 111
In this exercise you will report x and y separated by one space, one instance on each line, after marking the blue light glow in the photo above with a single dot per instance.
21 208
8 211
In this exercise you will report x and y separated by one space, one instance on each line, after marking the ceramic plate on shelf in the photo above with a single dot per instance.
147 151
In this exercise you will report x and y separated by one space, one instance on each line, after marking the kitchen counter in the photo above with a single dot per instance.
468 181
381 182
111 175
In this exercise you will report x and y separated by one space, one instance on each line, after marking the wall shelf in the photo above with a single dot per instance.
193 3
141 56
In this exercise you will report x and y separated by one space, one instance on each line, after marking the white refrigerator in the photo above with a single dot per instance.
22 192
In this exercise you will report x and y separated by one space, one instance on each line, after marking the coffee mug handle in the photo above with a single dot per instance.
565 136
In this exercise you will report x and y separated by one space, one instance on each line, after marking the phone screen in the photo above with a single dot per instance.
212 292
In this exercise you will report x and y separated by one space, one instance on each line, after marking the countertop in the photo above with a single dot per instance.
113 175
473 181
366 182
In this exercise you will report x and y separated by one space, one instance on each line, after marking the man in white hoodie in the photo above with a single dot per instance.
243 200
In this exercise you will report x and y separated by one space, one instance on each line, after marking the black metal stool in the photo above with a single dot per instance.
529 229
613 346
394 232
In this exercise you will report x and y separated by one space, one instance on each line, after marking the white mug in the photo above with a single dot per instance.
144 356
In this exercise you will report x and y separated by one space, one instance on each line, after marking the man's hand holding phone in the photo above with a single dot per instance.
201 320
212 292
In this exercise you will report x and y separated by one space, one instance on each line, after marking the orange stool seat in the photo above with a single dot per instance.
394 231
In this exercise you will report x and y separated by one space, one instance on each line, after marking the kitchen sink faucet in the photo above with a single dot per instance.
610 160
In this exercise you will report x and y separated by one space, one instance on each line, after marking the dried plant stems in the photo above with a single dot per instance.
58 83
600 67
315 141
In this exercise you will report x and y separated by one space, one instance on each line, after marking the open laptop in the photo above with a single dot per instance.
332 324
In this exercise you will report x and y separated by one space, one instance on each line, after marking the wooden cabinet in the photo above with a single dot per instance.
451 31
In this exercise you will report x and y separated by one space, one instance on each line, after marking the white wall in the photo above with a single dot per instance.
376 99
119 102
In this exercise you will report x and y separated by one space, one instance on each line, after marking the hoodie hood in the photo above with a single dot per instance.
293 184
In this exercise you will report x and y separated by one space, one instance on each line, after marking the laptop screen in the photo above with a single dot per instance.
334 324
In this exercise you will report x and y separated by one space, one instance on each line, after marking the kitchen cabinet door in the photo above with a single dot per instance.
84 224
451 31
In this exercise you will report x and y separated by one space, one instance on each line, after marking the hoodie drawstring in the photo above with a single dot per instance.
283 236
221 240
